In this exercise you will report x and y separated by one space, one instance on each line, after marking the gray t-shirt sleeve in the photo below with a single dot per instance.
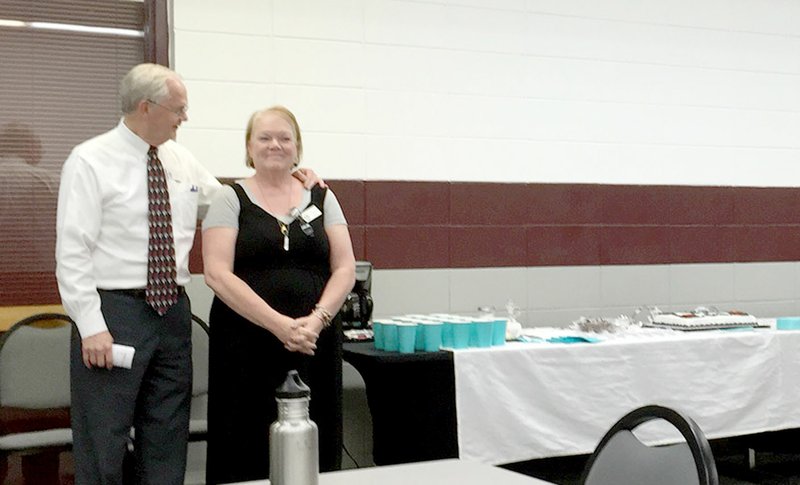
224 209
333 211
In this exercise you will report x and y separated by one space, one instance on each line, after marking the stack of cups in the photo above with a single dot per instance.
447 328
418 336
499 331
462 332
406 336
432 335
428 333
482 331
385 334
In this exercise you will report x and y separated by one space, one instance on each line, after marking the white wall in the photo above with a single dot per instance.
600 91
556 296
607 91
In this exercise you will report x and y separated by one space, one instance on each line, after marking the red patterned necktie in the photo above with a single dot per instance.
162 291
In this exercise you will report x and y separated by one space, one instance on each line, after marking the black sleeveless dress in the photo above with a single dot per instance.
247 363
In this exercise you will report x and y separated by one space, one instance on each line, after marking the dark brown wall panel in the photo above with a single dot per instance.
407 224
555 245
707 244
634 245
767 206
489 204
701 205
358 239
566 203
196 255
407 203
350 194
400 247
768 243
488 246
633 204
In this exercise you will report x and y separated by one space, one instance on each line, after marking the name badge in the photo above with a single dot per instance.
311 213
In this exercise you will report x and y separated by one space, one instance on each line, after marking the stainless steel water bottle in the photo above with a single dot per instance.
293 448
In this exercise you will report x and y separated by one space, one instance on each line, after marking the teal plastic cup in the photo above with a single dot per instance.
447 334
499 332
418 344
787 323
390 336
461 334
377 334
419 340
482 330
406 337
431 335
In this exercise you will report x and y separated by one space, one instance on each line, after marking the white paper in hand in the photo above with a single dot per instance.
122 355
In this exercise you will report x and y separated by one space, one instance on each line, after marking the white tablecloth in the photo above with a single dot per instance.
535 400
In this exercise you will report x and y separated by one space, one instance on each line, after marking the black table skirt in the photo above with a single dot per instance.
412 401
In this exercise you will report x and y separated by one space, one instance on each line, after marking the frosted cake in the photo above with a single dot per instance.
703 321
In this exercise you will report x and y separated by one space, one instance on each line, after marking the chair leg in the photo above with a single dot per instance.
751 458
41 468
129 469
3 467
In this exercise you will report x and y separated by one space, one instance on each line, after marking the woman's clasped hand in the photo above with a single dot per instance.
302 335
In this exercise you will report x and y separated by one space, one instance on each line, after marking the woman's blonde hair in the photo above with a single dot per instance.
284 113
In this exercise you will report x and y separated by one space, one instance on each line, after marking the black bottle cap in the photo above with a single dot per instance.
293 387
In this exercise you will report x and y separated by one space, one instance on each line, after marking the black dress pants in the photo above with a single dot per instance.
153 396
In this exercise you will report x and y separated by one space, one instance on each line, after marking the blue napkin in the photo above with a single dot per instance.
572 339
566 339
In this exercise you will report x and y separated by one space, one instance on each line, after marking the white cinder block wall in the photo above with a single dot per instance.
680 92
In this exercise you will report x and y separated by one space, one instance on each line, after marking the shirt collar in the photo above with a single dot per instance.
132 138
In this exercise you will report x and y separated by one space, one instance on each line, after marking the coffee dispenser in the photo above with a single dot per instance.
357 307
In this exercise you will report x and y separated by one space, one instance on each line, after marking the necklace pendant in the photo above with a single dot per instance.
285 232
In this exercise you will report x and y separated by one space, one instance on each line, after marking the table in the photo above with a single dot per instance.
536 400
530 401
412 401
9 315
441 472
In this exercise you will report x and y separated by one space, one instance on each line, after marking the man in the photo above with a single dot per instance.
27 202
122 255
102 270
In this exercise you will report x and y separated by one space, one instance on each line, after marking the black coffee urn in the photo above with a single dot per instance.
357 307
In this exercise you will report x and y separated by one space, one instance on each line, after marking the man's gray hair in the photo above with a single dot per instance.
144 82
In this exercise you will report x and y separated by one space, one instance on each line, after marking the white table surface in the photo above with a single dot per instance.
439 472
533 400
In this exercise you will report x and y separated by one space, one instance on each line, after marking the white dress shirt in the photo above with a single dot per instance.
102 223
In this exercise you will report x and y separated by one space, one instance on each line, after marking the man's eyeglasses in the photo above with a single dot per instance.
182 111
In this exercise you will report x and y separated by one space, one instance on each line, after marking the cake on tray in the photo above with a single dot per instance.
703 321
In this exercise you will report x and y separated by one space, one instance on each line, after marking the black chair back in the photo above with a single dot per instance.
621 458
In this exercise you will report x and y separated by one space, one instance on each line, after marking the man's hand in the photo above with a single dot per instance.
309 178
96 350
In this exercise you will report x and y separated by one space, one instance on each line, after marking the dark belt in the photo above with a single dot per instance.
139 293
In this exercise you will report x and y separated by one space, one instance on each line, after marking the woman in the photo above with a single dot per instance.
280 261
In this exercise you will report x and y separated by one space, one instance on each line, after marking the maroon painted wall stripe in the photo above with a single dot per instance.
405 225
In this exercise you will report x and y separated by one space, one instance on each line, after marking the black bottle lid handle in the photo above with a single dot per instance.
293 387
